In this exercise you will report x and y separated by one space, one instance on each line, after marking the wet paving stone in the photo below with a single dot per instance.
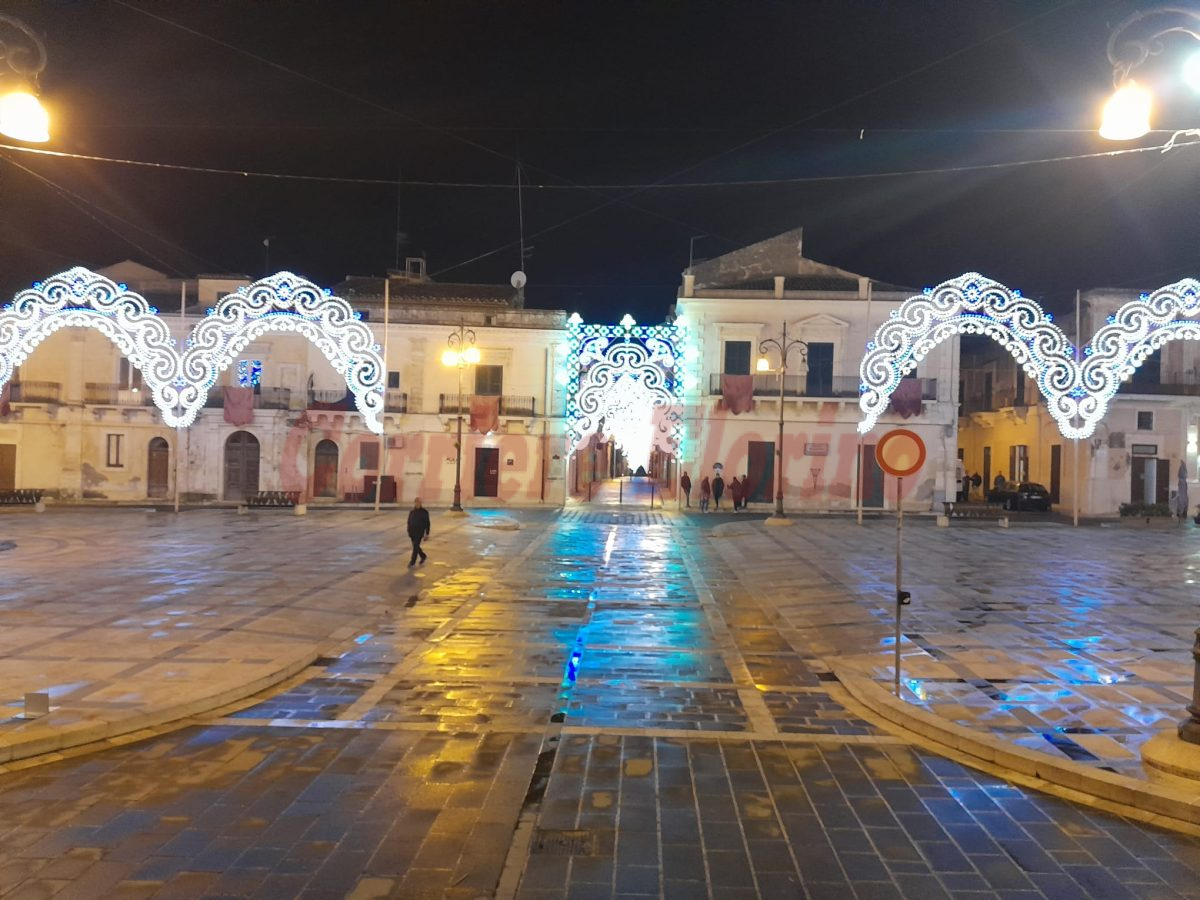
656 706
316 699
813 713
765 819
447 704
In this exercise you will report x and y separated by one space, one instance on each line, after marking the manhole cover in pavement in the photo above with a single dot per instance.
564 843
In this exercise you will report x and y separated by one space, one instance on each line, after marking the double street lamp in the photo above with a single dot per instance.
1132 42
784 346
21 114
460 352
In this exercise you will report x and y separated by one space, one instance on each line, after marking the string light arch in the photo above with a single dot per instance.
627 380
79 298
179 382
1077 392
285 302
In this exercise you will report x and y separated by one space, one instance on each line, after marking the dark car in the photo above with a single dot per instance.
1026 495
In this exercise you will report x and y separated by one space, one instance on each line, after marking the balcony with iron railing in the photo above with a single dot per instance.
801 386
395 401
510 405
35 392
98 394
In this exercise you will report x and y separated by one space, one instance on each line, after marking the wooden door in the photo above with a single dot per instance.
158 468
870 489
1162 484
8 467
325 470
487 471
987 471
760 472
241 466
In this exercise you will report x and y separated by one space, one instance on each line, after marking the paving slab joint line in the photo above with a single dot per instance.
1141 800
751 698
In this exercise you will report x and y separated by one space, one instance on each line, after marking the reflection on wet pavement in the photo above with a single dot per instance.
652 695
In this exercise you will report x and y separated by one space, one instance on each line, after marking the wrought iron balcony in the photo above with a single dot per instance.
835 387
36 392
97 394
510 405
395 401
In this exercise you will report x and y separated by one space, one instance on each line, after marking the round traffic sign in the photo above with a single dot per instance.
900 452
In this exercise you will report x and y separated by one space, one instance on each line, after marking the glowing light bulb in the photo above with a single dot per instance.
1127 113
23 117
471 355
449 358
763 364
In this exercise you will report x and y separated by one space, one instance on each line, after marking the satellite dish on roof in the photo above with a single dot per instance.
518 279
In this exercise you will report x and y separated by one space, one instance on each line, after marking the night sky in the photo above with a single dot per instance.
600 93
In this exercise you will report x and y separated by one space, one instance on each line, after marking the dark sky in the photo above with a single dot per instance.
596 93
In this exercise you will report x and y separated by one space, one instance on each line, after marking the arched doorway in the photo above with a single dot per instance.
158 468
241 466
325 470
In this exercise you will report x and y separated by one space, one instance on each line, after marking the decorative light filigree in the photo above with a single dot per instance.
180 382
288 303
79 297
1077 393
627 379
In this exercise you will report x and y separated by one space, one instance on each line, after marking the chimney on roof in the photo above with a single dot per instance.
689 285
779 280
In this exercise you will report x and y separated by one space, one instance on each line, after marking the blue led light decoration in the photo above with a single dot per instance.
627 380
1077 394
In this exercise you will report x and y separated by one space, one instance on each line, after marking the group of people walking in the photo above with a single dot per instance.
712 491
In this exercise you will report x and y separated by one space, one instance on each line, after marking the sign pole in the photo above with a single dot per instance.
899 573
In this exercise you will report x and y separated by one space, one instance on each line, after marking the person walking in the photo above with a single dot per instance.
705 493
735 491
685 484
418 530
718 488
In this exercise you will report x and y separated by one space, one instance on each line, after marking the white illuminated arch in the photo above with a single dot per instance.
81 298
631 378
1133 332
969 304
179 383
1078 394
287 303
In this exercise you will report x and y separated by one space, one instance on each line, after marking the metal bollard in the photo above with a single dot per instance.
1189 728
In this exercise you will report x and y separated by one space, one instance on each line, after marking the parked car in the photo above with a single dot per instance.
1026 495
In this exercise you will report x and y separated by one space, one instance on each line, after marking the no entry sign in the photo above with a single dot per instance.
900 452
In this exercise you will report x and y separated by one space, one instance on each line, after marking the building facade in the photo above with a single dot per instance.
80 425
735 303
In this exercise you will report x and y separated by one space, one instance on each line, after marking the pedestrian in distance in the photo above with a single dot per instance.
705 493
685 484
735 492
418 530
718 489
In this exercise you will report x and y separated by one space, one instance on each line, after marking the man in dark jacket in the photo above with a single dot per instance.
418 530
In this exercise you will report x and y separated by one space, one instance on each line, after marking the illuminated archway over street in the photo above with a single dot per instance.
627 382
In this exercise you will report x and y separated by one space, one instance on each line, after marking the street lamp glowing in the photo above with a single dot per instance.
763 365
23 117
471 356
1127 113
449 358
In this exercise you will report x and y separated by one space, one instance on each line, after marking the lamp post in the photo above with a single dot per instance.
784 346
1132 42
21 114
460 353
